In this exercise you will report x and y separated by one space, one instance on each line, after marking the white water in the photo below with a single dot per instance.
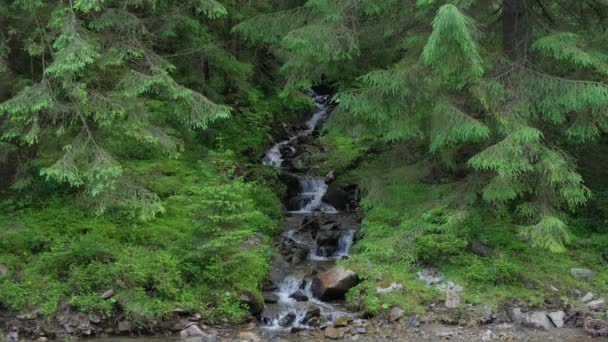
309 200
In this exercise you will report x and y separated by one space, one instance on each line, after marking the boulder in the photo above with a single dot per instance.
596 304
313 312
537 320
192 331
287 320
395 314
269 285
343 321
557 317
299 296
334 283
452 298
271 298
337 197
328 237
248 336
255 306
334 333
587 297
582 273
124 327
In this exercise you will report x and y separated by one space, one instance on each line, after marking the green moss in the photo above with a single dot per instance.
194 256
411 224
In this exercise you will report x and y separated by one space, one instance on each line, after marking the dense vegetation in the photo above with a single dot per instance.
131 133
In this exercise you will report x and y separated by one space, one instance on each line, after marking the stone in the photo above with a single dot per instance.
334 333
596 304
488 336
287 320
430 276
343 321
582 273
452 298
252 240
516 315
255 306
271 298
334 283
269 285
108 294
487 314
413 322
299 296
395 314
537 320
3 270
41 339
480 248
337 197
248 336
313 312
392 287
192 331
328 237
124 327
587 297
557 317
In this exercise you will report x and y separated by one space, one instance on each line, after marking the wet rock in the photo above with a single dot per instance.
328 237
343 321
587 297
271 298
395 314
269 285
334 283
337 197
557 317
41 339
124 327
192 331
334 333
248 336
3 270
313 312
108 294
255 306
596 304
299 296
537 320
582 273
287 320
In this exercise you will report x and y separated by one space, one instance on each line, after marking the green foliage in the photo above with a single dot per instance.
451 50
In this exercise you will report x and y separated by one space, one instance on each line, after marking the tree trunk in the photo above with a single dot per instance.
515 28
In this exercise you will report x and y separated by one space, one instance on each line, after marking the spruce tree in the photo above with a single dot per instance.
93 68
443 72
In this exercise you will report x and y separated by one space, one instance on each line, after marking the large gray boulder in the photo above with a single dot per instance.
582 273
334 283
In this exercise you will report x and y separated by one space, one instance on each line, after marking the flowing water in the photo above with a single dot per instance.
295 302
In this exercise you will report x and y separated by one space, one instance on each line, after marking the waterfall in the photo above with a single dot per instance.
286 312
